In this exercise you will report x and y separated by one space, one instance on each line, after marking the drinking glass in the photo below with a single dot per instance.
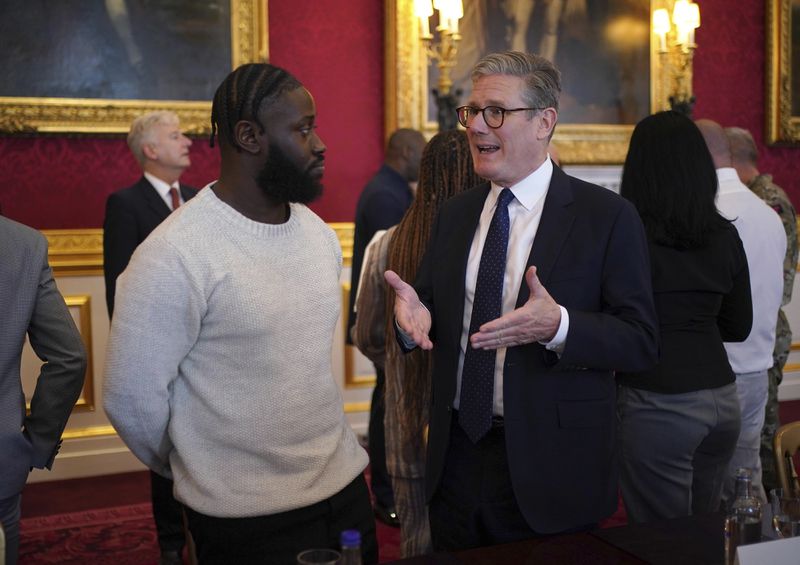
785 513
318 557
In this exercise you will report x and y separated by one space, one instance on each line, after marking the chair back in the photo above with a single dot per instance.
787 444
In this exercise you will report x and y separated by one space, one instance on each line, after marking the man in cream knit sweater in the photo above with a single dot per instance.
218 371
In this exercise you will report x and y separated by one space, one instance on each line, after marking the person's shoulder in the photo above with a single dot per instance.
12 231
188 188
20 245
725 236
763 209
317 231
199 211
592 199
130 193
587 190
308 218
384 188
725 230
773 195
467 196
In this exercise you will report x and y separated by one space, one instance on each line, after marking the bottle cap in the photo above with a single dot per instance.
350 538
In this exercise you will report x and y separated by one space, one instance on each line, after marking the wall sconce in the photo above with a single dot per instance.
676 47
444 51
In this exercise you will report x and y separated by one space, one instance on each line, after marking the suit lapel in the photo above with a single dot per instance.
554 227
153 199
468 216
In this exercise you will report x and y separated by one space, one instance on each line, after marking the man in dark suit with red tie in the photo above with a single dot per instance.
534 289
132 213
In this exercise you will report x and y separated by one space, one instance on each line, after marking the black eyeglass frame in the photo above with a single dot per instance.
503 112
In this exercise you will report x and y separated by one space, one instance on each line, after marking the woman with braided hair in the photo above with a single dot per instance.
446 169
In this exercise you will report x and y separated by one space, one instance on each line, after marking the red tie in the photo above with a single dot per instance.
176 200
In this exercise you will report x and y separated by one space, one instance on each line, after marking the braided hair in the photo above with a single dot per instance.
241 95
446 169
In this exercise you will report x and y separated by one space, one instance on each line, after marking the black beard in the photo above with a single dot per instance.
283 182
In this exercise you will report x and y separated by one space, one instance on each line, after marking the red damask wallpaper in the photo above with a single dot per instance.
729 75
336 49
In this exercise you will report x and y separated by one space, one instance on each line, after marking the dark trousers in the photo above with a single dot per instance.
278 538
167 513
379 476
9 519
475 504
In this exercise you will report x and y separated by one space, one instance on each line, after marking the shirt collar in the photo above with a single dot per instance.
161 186
530 190
729 181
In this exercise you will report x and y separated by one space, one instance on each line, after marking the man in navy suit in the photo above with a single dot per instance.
522 443
132 213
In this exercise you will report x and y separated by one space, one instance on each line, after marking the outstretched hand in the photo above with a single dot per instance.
536 320
412 317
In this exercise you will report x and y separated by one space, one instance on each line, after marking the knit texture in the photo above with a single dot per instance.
219 360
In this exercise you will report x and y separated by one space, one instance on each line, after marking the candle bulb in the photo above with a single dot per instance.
423 10
661 27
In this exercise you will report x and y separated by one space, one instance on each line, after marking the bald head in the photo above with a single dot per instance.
744 153
717 142
404 152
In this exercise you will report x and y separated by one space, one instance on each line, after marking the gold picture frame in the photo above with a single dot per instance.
83 304
80 306
783 85
30 115
594 144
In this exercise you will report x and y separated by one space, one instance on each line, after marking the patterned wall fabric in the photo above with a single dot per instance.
336 48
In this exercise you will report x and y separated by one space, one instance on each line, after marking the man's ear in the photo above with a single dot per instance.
149 150
549 118
245 136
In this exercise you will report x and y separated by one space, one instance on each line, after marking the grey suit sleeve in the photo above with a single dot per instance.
56 341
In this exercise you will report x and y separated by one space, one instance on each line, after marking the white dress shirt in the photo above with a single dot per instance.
524 213
163 189
764 240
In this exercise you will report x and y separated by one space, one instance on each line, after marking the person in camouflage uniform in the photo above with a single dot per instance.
745 156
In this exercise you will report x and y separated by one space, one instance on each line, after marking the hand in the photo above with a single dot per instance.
536 320
412 317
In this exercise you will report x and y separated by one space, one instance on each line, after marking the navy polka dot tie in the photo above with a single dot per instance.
477 376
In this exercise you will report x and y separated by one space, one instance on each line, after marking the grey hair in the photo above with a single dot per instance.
743 146
141 131
542 78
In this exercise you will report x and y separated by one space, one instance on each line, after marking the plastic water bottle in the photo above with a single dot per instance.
743 522
351 547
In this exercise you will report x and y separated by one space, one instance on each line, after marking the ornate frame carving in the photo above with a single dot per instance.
75 252
26 115
407 107
782 126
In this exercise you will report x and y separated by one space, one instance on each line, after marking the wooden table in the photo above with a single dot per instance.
694 540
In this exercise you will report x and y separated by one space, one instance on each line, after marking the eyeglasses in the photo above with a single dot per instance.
492 115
